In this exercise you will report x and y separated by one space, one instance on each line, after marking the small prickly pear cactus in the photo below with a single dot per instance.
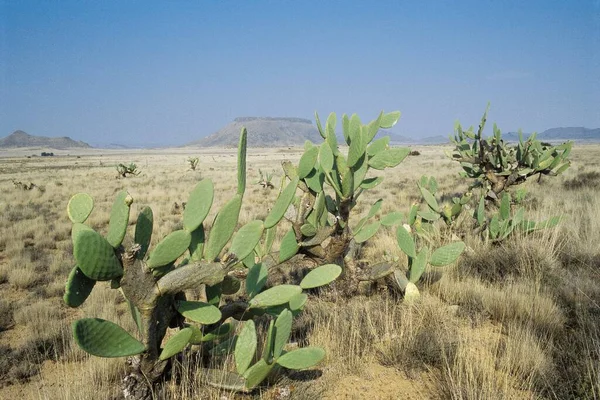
154 280
193 161
501 224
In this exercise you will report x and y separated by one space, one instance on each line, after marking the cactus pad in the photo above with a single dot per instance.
198 311
321 276
281 204
418 265
367 232
105 339
245 347
302 358
283 330
78 288
176 343
170 248
257 373
80 207
446 254
119 218
246 239
94 255
275 296
143 231
223 227
198 205
256 279
405 241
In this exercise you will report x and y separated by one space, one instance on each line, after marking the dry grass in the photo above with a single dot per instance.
512 321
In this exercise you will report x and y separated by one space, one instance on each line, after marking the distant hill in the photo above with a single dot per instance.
263 132
23 139
560 134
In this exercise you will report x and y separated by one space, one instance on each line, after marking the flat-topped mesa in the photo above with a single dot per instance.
285 119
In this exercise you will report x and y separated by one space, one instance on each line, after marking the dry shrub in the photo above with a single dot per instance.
584 180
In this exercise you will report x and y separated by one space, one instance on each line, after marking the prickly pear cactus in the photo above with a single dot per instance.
154 280
331 184
495 165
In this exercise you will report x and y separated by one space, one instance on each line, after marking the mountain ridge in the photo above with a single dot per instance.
20 138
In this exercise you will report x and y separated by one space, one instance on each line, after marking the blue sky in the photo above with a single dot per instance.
148 73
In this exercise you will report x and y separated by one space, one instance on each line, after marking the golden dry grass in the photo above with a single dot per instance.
519 320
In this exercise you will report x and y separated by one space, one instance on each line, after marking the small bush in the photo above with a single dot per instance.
590 180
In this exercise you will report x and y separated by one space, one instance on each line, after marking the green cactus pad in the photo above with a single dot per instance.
326 157
288 247
80 207
198 311
367 232
298 301
257 373
302 358
176 343
389 120
446 254
103 338
315 179
222 379
241 162
143 231
219 333
320 276
198 205
389 158
430 199
94 255
370 183
281 204
418 265
170 248
78 288
275 296
357 149
256 279
308 230
246 239
378 146
283 330
119 218
360 171
429 215
405 241
307 162
245 347
222 228
391 219
230 285
197 244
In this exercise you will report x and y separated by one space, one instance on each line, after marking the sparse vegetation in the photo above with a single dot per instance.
516 319
127 170
193 161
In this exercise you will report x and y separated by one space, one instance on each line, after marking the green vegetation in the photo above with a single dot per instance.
154 281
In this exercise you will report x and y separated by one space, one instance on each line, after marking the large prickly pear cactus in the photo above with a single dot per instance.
495 165
154 281
331 184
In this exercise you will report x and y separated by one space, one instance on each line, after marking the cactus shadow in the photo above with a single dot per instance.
304 376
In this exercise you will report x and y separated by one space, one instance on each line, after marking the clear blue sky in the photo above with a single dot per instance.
135 72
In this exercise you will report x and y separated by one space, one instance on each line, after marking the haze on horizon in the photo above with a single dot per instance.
153 73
